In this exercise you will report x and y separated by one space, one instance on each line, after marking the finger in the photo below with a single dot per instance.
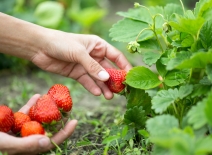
117 57
26 145
89 84
93 67
64 133
105 90
30 103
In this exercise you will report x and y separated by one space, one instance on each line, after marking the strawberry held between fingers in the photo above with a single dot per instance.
6 118
20 119
115 82
61 94
46 110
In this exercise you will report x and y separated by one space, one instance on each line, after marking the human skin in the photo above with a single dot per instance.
34 144
77 56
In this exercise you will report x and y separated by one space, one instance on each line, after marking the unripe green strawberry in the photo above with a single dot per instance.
20 119
46 110
61 96
115 82
6 118
31 128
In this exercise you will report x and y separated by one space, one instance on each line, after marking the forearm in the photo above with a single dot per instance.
20 38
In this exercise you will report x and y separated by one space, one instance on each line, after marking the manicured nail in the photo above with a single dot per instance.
44 142
103 75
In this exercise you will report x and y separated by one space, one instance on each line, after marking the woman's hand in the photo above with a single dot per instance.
81 57
33 144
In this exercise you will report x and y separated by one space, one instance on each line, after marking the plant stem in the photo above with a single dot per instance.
182 6
59 149
158 41
175 109
154 34
141 33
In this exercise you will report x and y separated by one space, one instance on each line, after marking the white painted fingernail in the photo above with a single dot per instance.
103 75
44 142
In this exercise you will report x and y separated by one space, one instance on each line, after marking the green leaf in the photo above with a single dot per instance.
140 14
144 133
207 14
205 81
150 44
184 25
84 143
110 139
176 77
161 68
185 91
209 71
170 9
206 34
164 98
197 60
187 41
201 7
87 16
135 116
200 90
138 97
180 57
208 108
196 115
7 6
142 78
49 14
127 30
203 145
161 125
150 57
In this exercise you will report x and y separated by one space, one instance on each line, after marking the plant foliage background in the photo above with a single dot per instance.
169 109
168 94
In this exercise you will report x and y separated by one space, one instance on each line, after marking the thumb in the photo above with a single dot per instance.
93 67
32 144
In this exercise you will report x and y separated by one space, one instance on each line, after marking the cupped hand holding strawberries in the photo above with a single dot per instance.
32 120
81 57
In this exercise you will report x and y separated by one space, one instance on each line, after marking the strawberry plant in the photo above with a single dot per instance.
169 108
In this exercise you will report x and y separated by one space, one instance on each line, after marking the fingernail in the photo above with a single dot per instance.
44 142
103 75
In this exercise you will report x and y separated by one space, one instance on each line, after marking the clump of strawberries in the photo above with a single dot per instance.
47 112
50 108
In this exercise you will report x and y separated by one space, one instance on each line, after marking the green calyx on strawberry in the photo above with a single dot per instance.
116 81
6 118
46 110
61 95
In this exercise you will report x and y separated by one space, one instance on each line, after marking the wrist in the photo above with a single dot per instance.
20 38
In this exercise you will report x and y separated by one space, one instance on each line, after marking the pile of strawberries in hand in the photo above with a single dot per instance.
42 117
50 108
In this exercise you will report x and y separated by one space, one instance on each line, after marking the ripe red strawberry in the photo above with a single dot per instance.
31 112
46 110
31 128
62 97
115 82
6 118
20 119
